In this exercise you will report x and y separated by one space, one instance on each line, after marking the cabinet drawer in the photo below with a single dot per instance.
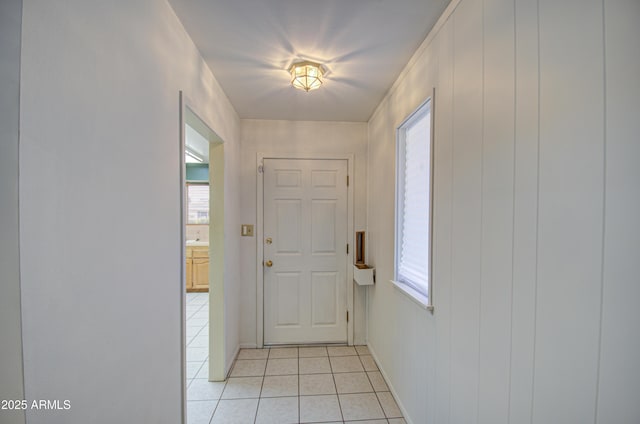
201 253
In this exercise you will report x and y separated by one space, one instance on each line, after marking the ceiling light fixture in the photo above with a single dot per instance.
307 75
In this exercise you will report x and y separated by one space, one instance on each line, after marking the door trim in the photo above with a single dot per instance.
217 359
260 235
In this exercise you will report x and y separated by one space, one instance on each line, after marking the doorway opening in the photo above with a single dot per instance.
202 251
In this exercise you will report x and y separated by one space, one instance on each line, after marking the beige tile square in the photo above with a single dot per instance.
362 406
202 389
201 314
189 338
319 409
192 369
192 332
242 387
199 341
362 350
389 405
341 351
197 354
200 411
282 366
197 322
280 385
190 310
312 352
314 366
368 363
377 381
283 352
317 384
282 410
249 368
204 371
368 422
253 354
346 364
397 421
236 411
357 382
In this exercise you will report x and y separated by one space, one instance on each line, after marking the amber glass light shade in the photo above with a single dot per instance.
306 76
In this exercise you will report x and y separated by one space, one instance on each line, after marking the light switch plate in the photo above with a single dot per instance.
247 230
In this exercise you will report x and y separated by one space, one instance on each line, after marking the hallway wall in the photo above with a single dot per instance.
12 382
282 137
100 206
536 237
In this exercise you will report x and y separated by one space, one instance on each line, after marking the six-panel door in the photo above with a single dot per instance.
305 218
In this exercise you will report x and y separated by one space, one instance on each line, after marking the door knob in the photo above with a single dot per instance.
269 264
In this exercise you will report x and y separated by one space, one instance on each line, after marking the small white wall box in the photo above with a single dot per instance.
363 276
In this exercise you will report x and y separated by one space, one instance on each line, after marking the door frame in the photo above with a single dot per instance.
261 156
217 367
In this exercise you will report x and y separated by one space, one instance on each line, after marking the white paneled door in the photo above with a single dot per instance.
305 251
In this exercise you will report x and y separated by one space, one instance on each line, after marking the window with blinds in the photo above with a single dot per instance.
197 203
413 204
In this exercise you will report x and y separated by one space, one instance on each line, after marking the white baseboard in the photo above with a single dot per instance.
391 388
248 346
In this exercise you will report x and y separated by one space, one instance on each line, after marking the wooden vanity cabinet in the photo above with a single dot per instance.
189 268
197 268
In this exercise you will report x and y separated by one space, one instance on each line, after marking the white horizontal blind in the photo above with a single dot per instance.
197 203
414 164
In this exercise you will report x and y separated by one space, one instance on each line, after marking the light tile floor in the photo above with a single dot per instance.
322 384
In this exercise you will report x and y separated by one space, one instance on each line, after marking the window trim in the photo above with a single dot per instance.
417 297
425 301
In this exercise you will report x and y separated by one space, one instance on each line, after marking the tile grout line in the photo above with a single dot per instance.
299 412
335 386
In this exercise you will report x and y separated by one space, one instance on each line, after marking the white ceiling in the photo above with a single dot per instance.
364 44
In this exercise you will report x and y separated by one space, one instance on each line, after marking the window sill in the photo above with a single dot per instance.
418 298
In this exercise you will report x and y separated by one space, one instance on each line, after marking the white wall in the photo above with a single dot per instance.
536 204
11 381
290 137
100 263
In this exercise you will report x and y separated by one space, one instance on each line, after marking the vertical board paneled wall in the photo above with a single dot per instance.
536 240
570 210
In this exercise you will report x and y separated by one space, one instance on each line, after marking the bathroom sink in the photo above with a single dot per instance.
197 243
